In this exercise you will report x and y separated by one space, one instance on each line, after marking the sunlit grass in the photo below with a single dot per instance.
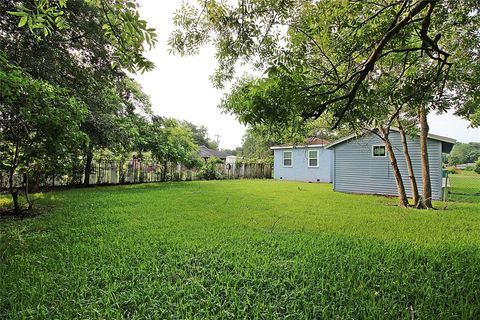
238 249
465 186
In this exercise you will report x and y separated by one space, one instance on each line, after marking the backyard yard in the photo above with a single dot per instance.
238 249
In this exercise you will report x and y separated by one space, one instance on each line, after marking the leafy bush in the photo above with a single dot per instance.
209 170
451 170
477 166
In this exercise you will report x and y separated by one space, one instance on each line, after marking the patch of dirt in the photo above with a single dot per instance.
8 214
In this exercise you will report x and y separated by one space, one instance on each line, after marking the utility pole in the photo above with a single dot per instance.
218 140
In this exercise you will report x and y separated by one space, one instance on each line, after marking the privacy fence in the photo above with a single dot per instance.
114 172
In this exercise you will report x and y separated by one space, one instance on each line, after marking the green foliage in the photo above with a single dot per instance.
170 142
345 59
79 59
209 170
451 170
255 146
39 125
238 249
477 166
123 28
464 153
200 135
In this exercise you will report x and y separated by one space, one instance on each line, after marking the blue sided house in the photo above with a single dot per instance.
308 161
361 164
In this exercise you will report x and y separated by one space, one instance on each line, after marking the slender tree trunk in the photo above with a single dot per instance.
402 195
13 168
88 167
27 195
36 184
413 181
13 192
165 168
122 172
427 186
142 175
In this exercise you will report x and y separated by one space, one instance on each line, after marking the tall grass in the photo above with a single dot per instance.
238 249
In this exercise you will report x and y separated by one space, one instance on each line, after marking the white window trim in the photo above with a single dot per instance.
379 145
291 158
317 157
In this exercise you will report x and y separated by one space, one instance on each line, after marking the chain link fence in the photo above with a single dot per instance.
463 186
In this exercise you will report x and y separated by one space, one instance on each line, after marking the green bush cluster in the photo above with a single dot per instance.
477 166
209 170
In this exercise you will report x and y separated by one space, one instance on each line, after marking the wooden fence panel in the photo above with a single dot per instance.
111 172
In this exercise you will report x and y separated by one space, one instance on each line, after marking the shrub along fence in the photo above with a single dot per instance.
114 172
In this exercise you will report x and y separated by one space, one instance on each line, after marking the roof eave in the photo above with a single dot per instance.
299 146
430 136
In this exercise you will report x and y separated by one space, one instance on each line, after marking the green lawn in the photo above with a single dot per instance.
465 186
237 249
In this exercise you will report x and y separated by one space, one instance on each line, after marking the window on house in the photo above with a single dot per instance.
313 158
287 158
378 151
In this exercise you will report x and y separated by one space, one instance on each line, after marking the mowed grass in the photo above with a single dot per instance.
238 249
464 186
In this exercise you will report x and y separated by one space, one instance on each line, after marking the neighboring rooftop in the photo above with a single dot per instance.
205 152
309 142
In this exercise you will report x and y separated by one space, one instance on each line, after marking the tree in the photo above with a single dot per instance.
78 57
477 166
172 143
340 41
464 153
200 135
411 175
341 55
249 100
120 21
255 146
39 123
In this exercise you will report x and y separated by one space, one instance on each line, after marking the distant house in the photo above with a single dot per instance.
309 161
206 153
361 164
464 166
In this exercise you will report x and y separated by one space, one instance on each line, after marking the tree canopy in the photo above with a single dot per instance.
123 29
340 54
464 153
39 125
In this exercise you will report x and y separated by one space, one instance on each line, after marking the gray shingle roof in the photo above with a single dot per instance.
205 152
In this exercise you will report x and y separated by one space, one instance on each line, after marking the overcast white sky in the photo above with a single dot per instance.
180 87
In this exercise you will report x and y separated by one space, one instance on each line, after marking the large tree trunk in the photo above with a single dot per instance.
88 167
413 181
402 195
427 186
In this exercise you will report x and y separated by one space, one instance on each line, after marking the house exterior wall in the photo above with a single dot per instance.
299 171
357 171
